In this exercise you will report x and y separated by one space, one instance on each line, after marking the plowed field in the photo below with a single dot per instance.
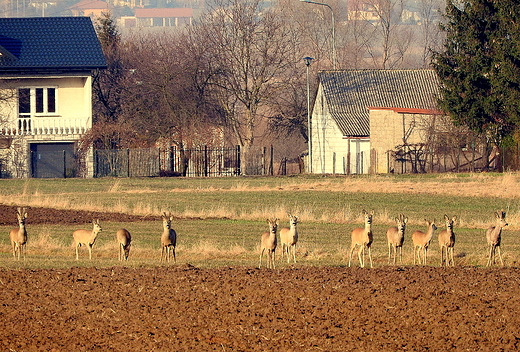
180 308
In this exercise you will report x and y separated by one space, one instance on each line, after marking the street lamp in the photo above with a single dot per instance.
333 29
308 61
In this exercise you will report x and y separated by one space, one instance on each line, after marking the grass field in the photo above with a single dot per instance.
221 218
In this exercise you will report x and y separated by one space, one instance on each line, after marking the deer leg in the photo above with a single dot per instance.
261 254
351 252
500 256
490 255
361 256
370 256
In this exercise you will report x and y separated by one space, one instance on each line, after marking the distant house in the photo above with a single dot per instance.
90 8
46 67
362 10
158 17
380 121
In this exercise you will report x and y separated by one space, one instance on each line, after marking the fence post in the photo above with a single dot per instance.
127 162
64 164
170 157
96 163
264 161
238 161
271 162
205 160
334 163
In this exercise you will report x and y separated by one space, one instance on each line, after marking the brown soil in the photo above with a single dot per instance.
180 308
61 216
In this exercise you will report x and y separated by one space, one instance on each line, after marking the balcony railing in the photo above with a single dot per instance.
47 126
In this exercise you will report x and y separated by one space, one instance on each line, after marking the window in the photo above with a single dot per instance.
36 101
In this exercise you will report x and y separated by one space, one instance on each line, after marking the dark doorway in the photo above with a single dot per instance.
52 160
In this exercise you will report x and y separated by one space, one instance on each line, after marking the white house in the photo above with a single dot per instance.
361 116
46 67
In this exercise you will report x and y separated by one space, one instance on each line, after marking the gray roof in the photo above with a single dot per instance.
49 43
349 94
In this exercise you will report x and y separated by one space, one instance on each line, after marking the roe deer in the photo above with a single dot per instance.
86 237
395 238
124 241
362 237
289 238
269 243
494 237
18 235
168 239
421 241
447 242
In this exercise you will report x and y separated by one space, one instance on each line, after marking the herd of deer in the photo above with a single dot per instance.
87 238
362 238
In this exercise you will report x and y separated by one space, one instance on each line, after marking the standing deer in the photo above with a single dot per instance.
494 237
168 239
86 237
269 243
289 238
421 241
18 235
363 238
124 240
395 238
447 242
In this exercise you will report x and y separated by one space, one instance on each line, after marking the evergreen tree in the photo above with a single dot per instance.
479 68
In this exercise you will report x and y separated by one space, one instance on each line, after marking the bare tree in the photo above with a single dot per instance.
249 48
393 39
166 99
428 35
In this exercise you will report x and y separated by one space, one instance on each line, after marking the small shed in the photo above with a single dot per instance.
360 117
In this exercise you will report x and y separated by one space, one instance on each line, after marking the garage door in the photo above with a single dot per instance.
52 160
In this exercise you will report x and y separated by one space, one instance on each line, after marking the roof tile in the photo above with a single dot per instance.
50 43
349 94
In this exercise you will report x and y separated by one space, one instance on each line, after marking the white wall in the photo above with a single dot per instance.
329 144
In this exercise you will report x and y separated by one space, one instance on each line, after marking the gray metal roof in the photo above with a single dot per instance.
349 94
43 43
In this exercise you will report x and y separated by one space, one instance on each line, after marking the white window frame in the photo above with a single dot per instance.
32 94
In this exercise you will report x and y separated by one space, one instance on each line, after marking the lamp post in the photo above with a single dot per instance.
333 29
308 61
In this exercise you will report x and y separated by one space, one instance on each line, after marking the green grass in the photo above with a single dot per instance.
222 219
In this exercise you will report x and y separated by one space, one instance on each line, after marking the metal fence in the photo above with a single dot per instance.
197 162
